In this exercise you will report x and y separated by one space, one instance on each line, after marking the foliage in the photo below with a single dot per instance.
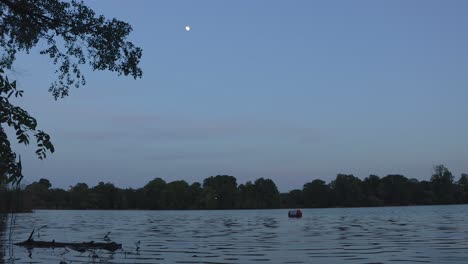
316 194
72 35
347 190
247 195
371 190
442 180
152 193
293 198
24 125
263 193
266 194
176 195
463 187
222 192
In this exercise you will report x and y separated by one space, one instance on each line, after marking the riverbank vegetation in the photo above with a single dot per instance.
223 192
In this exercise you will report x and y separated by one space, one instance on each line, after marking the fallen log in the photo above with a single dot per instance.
81 247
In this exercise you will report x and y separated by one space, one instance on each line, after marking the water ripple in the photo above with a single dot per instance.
432 234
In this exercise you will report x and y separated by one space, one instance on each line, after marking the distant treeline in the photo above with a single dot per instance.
223 192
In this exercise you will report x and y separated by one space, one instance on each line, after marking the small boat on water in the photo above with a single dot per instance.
295 213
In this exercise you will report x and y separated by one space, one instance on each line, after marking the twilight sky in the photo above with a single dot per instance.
287 90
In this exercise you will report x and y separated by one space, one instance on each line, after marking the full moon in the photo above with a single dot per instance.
187 28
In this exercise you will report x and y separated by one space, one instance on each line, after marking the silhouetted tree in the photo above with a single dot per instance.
152 194
395 190
347 190
59 199
292 199
266 194
79 196
220 192
463 188
316 194
71 34
247 196
417 192
45 182
130 199
10 168
370 188
104 196
40 195
176 195
196 195
428 192
463 181
442 182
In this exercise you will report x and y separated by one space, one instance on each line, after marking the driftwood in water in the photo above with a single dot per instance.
81 247
112 246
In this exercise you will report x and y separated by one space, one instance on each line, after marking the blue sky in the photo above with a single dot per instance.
288 90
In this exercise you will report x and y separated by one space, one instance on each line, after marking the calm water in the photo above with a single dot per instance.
428 234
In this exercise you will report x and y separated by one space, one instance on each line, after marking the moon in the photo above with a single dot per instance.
187 28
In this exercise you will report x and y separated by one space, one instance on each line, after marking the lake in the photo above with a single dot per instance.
419 234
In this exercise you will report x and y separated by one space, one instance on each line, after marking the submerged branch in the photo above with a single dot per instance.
81 247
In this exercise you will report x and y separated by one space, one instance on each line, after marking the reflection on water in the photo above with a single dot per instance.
432 234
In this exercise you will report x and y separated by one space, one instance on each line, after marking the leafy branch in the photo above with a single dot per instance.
73 35
86 37
24 126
